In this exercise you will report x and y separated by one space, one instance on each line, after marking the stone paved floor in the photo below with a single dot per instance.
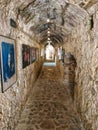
49 106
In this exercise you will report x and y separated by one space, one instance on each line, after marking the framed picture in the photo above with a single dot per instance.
25 55
8 62
32 54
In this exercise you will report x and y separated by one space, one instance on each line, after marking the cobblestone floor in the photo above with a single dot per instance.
49 106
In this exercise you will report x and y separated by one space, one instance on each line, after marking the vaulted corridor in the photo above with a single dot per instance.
48 64
50 105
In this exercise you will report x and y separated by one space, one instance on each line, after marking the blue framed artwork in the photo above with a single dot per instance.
8 62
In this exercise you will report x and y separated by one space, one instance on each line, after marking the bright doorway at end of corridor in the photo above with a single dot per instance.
50 53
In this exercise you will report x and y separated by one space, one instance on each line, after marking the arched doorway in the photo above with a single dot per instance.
50 52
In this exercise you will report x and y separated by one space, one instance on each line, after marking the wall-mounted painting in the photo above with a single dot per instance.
32 54
25 55
8 62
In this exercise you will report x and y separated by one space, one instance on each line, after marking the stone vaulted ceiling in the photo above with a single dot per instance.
64 16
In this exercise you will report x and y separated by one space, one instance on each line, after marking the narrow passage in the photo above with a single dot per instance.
49 106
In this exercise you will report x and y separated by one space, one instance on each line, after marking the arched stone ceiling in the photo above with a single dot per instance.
64 16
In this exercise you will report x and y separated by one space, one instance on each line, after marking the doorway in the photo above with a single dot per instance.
50 53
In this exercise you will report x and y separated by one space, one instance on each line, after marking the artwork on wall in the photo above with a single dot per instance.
8 62
25 55
32 54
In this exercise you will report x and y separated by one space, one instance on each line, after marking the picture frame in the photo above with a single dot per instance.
25 55
32 55
7 63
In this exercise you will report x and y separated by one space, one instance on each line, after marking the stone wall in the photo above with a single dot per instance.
13 99
83 44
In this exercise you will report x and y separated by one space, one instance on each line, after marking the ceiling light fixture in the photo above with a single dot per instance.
48 38
48 20
48 32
